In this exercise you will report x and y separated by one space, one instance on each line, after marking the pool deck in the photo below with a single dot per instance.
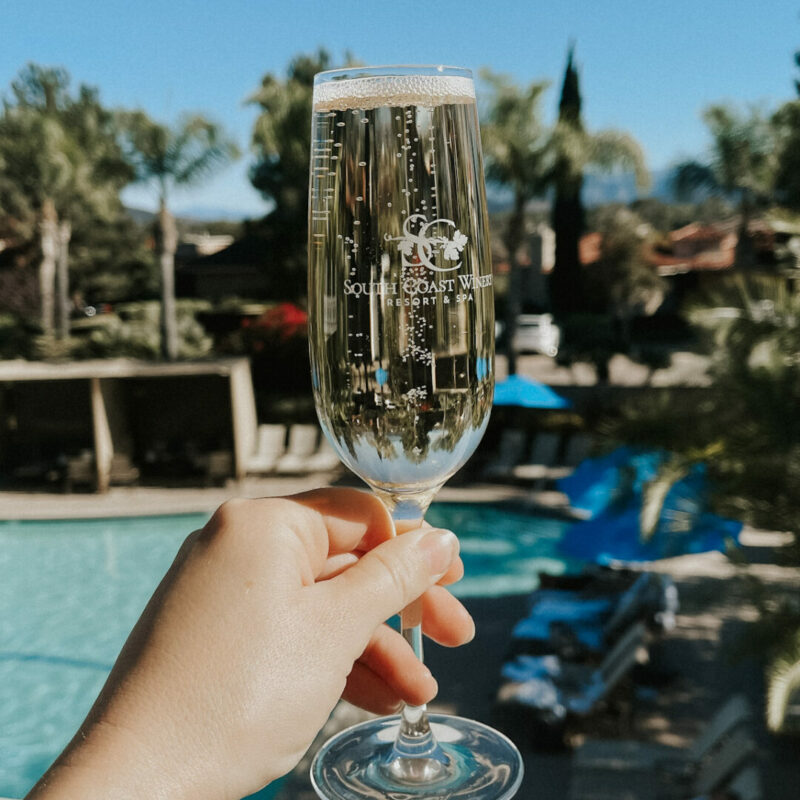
146 500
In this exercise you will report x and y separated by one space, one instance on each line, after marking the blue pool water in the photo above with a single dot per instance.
70 591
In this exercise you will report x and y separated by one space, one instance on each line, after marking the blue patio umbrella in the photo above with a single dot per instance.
619 475
517 390
614 537
610 489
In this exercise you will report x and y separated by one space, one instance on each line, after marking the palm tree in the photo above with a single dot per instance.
573 151
514 142
742 164
166 158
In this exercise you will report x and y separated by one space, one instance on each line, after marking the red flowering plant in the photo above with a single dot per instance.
286 320
280 325
277 343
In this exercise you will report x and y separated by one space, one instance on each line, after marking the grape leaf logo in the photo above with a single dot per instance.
425 243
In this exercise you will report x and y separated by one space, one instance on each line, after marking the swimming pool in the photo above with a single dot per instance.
71 590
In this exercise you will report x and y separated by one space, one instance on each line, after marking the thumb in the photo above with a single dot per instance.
392 575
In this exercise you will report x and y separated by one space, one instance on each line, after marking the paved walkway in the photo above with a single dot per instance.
149 500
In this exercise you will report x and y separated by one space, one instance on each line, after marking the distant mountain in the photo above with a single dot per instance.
620 187
193 215
218 214
598 190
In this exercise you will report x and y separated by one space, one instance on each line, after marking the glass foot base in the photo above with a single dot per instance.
472 762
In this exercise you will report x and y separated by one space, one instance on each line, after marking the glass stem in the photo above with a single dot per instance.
414 718
416 756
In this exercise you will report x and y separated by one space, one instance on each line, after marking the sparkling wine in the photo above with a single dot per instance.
400 288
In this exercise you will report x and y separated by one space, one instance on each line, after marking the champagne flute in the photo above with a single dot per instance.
402 358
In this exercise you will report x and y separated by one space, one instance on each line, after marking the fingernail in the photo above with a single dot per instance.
472 634
440 548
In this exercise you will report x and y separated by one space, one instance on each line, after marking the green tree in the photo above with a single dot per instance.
167 158
61 169
622 280
514 140
574 150
785 125
111 263
282 147
741 165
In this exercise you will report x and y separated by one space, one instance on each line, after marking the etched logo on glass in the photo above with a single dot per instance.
422 246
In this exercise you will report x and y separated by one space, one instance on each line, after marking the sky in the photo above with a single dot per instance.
648 67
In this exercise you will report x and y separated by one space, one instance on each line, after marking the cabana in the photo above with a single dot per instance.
98 412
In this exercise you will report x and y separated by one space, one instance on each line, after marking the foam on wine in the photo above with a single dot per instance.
393 90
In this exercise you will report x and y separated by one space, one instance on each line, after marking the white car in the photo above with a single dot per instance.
536 333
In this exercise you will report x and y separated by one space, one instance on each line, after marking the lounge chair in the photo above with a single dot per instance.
270 446
80 470
726 761
554 690
122 471
325 459
653 756
746 784
541 465
217 465
574 625
718 771
533 633
509 454
577 449
303 441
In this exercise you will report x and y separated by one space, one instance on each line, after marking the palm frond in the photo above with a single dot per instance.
514 137
166 156
783 684
655 494
690 176
611 149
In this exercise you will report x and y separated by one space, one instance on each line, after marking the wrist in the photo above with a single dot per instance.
110 762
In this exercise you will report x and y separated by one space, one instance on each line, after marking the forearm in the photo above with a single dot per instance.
106 762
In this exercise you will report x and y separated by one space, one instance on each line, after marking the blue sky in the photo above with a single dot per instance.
648 67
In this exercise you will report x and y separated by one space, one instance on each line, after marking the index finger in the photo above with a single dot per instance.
355 520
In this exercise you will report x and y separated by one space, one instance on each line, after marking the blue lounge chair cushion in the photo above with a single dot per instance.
527 668
537 624
541 695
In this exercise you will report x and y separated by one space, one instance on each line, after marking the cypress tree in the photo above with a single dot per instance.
568 217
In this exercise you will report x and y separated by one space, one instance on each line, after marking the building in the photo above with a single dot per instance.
696 248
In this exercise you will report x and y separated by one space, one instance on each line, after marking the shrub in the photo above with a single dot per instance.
134 332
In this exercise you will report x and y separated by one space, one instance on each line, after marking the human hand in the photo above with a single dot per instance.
267 616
